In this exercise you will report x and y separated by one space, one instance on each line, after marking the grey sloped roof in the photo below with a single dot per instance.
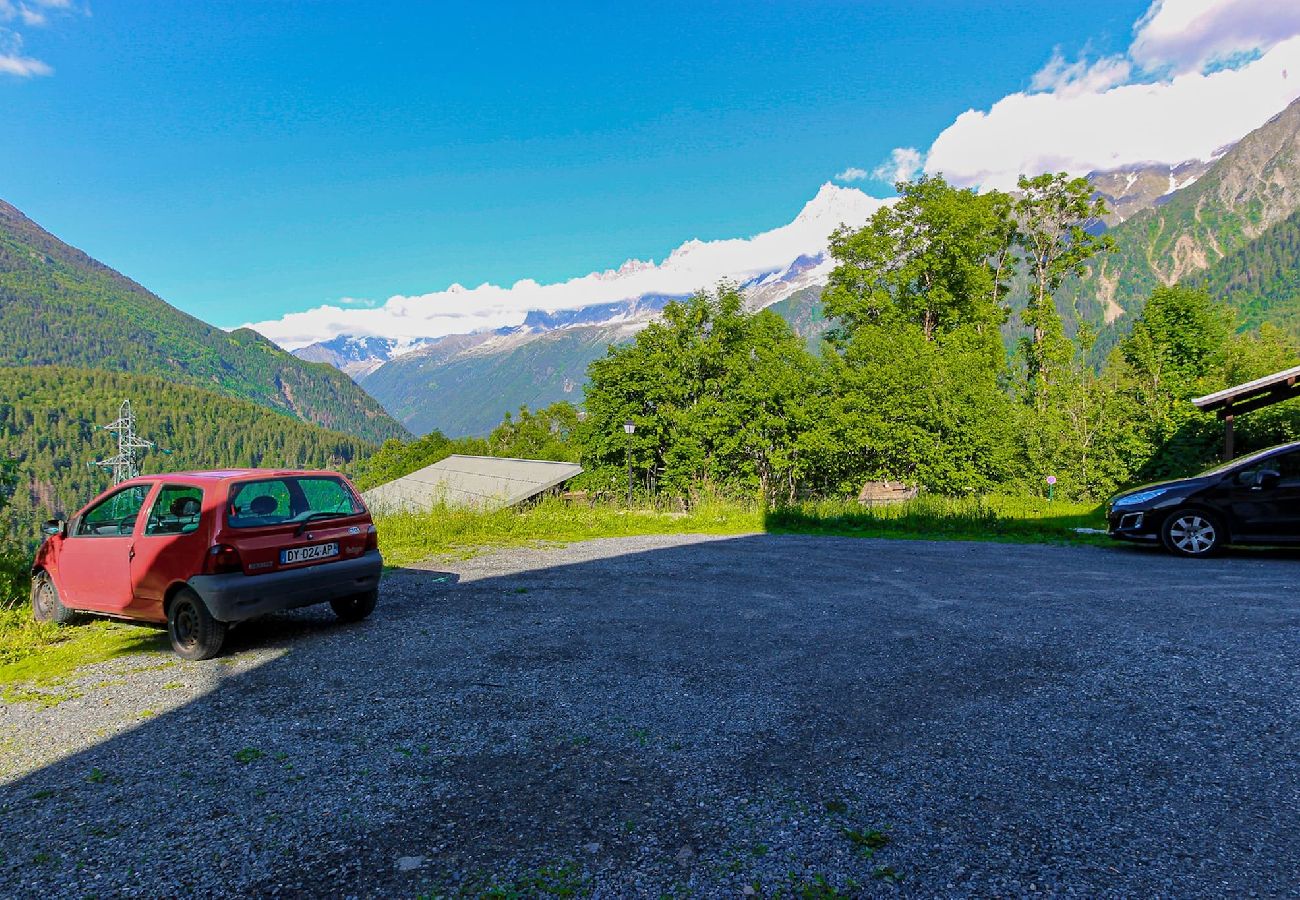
486 482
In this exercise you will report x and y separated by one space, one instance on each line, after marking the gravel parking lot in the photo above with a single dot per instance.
697 716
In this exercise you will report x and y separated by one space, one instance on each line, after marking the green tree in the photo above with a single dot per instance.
939 258
1056 217
714 392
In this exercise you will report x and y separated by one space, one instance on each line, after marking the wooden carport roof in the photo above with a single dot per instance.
1231 402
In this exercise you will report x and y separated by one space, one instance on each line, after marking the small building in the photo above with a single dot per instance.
1234 401
483 482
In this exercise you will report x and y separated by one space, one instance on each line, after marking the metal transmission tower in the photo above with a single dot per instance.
124 465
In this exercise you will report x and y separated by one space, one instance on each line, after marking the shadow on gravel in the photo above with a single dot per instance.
696 716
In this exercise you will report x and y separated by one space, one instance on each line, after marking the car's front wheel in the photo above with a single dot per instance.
356 607
1192 532
46 603
193 631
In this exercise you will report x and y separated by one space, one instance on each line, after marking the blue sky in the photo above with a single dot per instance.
247 159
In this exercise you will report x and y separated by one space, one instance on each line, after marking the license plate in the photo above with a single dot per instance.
303 554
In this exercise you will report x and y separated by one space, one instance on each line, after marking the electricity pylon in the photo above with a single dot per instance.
125 464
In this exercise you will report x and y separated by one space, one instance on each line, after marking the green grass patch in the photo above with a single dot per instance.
1026 520
450 532
36 656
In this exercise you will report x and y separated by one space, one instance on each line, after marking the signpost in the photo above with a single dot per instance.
1051 487
629 427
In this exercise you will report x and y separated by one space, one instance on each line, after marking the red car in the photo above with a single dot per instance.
204 550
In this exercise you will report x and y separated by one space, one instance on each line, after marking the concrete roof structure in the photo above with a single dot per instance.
485 482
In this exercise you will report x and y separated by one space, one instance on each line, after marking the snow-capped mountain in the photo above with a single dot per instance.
358 356
1130 190
770 267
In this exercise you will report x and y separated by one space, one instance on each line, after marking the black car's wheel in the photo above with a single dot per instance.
355 607
46 604
194 633
1192 532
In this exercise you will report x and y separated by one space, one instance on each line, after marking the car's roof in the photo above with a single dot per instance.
231 474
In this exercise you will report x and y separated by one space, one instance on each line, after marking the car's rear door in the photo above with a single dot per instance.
170 547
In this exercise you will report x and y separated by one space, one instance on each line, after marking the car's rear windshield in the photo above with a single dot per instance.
289 499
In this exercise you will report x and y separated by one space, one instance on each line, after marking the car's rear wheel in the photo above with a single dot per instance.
355 607
1192 532
46 603
193 631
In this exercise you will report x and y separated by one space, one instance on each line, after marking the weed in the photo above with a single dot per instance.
867 842
248 755
43 795
97 776
836 807
885 873
41 859
173 686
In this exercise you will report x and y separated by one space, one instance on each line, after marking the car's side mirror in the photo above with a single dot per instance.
1267 478
54 527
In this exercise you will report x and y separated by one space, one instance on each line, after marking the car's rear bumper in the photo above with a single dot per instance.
235 597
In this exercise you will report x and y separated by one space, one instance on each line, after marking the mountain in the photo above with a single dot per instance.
48 416
1261 279
1130 190
357 356
1253 186
60 307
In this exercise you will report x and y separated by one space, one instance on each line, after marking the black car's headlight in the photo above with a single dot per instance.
1139 498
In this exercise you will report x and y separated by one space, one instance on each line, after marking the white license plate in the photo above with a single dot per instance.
303 554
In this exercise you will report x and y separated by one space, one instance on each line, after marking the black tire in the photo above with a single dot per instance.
1193 533
193 632
355 607
47 606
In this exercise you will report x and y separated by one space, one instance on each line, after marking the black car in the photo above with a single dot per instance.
1251 500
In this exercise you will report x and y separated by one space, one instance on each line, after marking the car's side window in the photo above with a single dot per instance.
1287 465
115 515
176 511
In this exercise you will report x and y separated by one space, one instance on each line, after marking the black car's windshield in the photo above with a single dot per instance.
1242 461
289 499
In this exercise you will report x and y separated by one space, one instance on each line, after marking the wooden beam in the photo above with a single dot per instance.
1258 401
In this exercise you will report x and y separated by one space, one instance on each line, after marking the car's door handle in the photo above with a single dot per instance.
130 554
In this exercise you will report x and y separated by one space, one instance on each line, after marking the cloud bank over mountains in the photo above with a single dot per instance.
693 265
1197 75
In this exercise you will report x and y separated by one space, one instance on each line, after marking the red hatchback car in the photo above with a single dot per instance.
204 550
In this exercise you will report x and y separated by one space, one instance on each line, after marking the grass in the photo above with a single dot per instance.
1021 520
446 531
36 658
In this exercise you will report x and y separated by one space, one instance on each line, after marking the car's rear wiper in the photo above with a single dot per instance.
316 515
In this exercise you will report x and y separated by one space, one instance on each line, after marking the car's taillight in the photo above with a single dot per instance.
222 559
372 538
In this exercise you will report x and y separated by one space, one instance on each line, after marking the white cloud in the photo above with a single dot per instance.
852 173
1188 35
903 165
12 61
1088 115
32 13
1081 76
693 265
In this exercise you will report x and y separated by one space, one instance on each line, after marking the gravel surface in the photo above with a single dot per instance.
697 716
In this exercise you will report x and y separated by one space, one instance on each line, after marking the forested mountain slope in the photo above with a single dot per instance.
1254 186
60 307
1262 279
48 417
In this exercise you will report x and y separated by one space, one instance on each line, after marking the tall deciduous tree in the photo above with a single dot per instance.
939 258
1056 217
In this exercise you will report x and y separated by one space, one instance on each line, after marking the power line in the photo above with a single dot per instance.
125 464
